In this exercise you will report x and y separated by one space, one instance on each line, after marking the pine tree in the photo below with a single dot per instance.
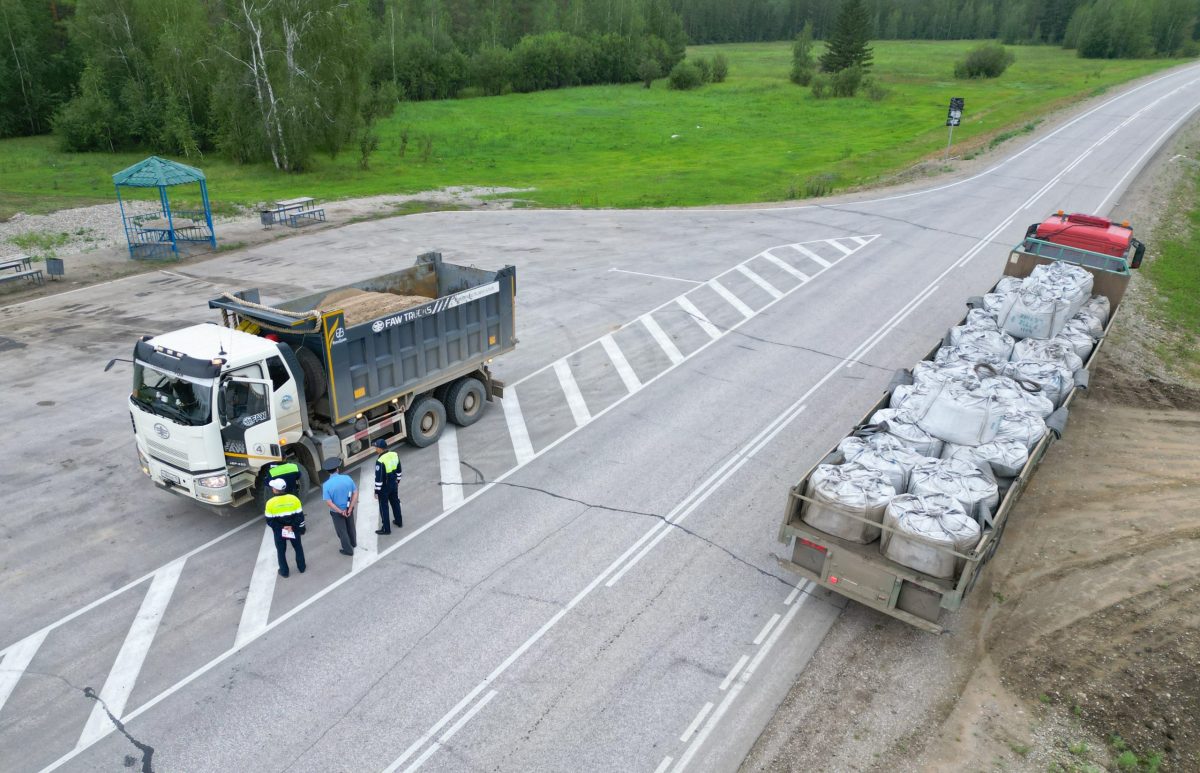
848 42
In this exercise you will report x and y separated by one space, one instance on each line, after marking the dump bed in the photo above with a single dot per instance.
860 572
391 336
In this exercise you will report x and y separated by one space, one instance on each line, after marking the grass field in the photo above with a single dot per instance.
1175 273
755 137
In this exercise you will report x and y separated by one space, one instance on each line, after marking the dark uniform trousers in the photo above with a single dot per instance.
390 496
344 527
281 542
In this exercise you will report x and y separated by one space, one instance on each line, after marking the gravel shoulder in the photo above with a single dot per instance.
1079 649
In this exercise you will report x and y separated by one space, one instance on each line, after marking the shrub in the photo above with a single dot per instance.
685 76
845 83
649 71
821 87
705 68
989 60
491 69
803 64
720 68
875 90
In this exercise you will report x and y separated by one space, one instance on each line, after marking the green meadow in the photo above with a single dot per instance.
755 137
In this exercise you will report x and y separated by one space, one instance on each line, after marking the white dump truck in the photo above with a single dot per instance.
322 376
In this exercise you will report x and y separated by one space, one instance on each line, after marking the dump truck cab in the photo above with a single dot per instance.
211 407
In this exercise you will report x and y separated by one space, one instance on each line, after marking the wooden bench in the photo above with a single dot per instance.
293 212
33 275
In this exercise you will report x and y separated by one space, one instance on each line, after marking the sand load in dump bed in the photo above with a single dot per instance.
360 306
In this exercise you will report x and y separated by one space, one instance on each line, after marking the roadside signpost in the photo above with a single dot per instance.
953 118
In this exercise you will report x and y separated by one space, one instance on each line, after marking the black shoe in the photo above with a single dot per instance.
398 523
283 573
346 552
383 531
301 569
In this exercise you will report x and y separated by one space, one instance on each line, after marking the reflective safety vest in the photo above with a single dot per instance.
281 505
390 461
287 468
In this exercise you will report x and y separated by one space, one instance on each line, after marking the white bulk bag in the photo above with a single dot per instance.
1005 458
930 371
1056 381
1077 334
1089 322
936 518
884 454
961 479
992 340
1025 427
967 354
1099 307
1053 351
903 426
1035 312
995 302
959 412
982 318
1015 396
1008 284
838 487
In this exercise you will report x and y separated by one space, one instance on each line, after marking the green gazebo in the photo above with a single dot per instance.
157 235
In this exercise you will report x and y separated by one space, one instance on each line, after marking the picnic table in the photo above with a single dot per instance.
293 212
20 267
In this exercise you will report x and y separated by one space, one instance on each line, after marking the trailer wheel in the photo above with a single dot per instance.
425 419
464 401
314 373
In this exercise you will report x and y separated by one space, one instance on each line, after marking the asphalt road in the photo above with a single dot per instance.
587 582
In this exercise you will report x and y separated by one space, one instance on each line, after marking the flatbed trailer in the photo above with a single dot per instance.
861 572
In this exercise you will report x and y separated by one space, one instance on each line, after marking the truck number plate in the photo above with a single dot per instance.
169 478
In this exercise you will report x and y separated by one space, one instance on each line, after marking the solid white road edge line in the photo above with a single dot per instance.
695 725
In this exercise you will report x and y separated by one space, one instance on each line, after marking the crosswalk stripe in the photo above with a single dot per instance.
575 401
366 520
758 280
451 472
835 243
517 430
733 300
698 317
663 340
628 377
814 257
861 241
257 606
132 655
14 663
788 267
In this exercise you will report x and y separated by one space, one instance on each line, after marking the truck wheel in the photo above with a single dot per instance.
464 401
425 419
314 373
262 491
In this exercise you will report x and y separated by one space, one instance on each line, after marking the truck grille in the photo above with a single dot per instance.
167 454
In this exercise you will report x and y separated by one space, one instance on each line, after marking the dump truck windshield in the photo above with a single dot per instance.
183 399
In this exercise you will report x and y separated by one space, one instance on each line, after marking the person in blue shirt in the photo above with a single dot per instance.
341 496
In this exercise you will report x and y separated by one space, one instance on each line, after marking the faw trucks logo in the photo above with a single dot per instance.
441 304
255 419
162 431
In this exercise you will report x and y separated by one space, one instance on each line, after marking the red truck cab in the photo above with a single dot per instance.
1090 233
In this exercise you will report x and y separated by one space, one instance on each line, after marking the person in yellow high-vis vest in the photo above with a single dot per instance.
285 518
387 486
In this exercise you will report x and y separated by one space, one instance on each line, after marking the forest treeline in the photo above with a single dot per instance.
282 80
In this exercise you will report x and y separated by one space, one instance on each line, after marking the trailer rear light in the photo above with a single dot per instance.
833 580
810 544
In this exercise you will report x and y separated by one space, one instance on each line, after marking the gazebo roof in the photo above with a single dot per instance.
156 172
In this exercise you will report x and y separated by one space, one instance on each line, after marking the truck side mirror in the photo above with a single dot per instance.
1139 252
223 403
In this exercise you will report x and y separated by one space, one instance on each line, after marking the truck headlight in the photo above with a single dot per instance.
143 461
213 481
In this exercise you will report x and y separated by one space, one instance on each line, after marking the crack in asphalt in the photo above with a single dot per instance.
481 479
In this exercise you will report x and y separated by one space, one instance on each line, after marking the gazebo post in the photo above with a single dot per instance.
212 234
166 205
124 222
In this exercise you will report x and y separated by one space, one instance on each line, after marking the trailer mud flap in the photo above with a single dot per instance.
872 585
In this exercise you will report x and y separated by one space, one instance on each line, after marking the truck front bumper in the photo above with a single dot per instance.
215 490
